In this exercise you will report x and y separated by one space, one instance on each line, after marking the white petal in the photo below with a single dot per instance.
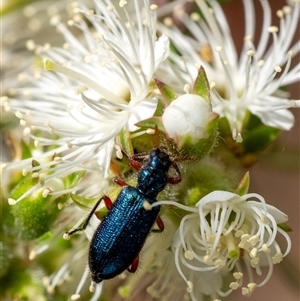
142 110
282 119
216 196
162 50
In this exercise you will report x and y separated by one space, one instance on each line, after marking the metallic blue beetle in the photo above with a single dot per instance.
120 236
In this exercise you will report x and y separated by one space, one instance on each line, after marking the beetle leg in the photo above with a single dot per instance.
134 265
120 182
134 160
177 178
108 204
160 225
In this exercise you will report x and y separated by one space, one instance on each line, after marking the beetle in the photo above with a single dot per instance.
119 238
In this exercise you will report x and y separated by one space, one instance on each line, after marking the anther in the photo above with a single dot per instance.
66 236
153 7
251 52
168 22
12 202
110 8
75 297
234 285
187 88
273 29
190 286
150 131
92 287
253 253
195 17
265 248
46 192
237 275
277 258
147 206
32 255
188 255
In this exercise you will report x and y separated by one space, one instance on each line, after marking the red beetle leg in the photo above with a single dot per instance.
134 265
177 178
120 182
160 225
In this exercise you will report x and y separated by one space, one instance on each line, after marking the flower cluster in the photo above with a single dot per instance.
114 83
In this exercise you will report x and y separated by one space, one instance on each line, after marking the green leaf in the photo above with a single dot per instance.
152 123
259 138
72 179
167 92
243 185
34 214
26 151
13 5
285 227
124 141
4 258
201 85
84 203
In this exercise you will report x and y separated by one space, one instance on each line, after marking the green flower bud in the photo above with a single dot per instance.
35 213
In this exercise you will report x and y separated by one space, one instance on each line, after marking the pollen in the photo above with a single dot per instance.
277 258
265 248
92 287
190 286
147 206
254 262
32 255
187 88
153 7
286 9
46 192
273 29
110 8
35 175
234 285
253 240
18 114
30 45
66 236
195 17
220 263
238 275
12 202
253 253
168 21
122 3
188 255
55 20
248 38
279 13
75 297
251 52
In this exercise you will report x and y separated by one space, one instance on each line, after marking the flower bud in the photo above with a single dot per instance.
186 118
191 124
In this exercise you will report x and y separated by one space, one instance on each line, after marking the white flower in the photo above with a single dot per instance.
223 229
99 86
187 117
251 80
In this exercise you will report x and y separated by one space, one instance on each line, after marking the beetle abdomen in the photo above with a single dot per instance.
121 235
